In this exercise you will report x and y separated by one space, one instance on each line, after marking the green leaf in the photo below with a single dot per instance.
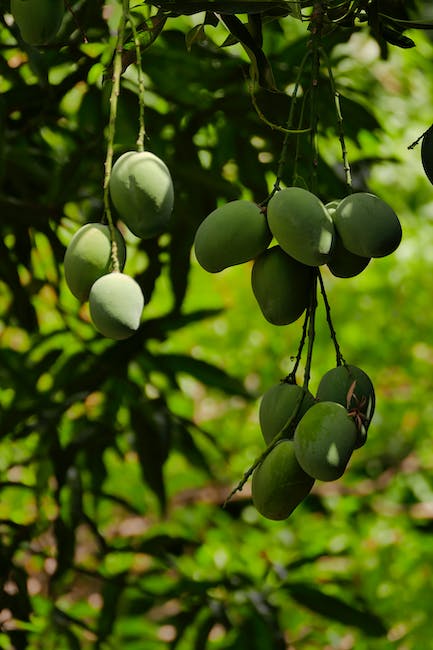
195 36
336 609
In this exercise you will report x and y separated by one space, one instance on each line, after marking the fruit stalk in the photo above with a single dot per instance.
316 23
340 359
114 96
311 330
142 128
291 377
340 123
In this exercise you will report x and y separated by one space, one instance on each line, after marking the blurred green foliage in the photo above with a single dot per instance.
116 458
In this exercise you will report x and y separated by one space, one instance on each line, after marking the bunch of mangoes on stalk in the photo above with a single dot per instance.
38 20
141 191
304 233
314 436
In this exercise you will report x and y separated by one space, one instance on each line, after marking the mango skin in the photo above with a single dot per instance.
279 484
281 286
88 257
343 263
234 233
427 154
142 193
334 387
301 225
278 404
324 441
38 20
116 303
367 225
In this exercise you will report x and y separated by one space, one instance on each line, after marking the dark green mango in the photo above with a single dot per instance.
343 263
367 225
301 225
427 154
324 440
281 286
234 233
277 406
279 484
336 385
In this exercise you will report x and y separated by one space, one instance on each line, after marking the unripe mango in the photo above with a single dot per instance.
116 303
281 286
427 154
301 225
232 234
88 257
343 263
336 386
279 484
38 20
367 225
278 404
324 441
142 192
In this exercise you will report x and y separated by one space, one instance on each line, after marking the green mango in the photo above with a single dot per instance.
142 193
88 257
367 225
427 154
116 303
38 20
281 286
343 263
324 440
301 225
234 233
277 406
336 385
279 484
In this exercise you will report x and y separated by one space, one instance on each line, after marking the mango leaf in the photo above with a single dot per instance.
223 6
336 609
202 371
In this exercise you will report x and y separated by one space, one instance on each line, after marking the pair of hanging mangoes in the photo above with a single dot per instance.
141 191
344 234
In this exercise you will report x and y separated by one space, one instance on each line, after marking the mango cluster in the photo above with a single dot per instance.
316 436
38 20
306 233
141 191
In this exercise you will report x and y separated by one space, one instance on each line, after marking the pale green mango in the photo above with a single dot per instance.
301 225
324 440
367 225
38 20
336 386
116 303
88 257
279 484
277 406
142 192
281 286
232 234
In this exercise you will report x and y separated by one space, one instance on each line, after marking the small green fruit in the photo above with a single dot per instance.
281 286
88 257
232 234
116 303
279 404
324 441
301 225
367 225
427 154
336 385
142 192
38 20
279 484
